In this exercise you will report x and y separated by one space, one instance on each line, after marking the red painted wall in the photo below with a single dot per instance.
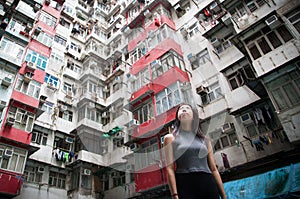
39 48
55 13
164 19
153 126
154 54
158 84
150 177
38 75
25 99
10 182
16 134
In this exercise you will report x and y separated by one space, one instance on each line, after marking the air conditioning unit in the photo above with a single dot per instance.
227 127
273 22
51 85
134 146
130 77
226 19
115 174
156 63
191 57
30 65
6 81
246 118
201 90
147 13
215 41
8 153
2 104
10 121
86 172
130 167
69 140
133 123
41 169
28 77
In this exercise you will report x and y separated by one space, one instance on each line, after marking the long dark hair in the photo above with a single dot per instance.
196 127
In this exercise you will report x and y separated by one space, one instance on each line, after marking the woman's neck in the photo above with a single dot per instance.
186 127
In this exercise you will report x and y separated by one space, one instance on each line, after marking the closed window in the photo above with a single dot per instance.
24 120
32 174
15 161
39 138
48 19
57 180
32 88
11 48
266 40
40 60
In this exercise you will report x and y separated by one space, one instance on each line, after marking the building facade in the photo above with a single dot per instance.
89 88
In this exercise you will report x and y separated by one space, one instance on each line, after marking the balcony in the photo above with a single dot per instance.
90 123
11 57
154 125
116 156
17 29
277 57
11 183
13 134
26 10
246 97
92 158
25 99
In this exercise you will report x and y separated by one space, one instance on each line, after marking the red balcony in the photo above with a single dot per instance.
10 183
38 75
49 8
150 177
153 126
15 134
25 99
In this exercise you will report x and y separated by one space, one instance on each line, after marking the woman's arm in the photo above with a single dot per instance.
214 170
168 139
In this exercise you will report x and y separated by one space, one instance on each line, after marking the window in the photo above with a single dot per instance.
55 57
213 92
39 138
266 40
51 79
147 155
57 179
144 113
294 18
15 162
60 40
67 87
240 77
12 49
48 107
201 59
60 142
93 114
66 115
73 67
119 180
48 19
285 89
31 174
23 120
86 181
39 60
167 99
142 78
193 30
168 61
32 88
223 140
45 39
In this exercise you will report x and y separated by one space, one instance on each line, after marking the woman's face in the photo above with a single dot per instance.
185 113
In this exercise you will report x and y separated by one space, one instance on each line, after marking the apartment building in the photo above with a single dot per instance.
90 87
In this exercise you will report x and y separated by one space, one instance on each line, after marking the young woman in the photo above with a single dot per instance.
195 174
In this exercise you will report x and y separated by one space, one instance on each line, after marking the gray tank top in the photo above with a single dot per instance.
190 153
